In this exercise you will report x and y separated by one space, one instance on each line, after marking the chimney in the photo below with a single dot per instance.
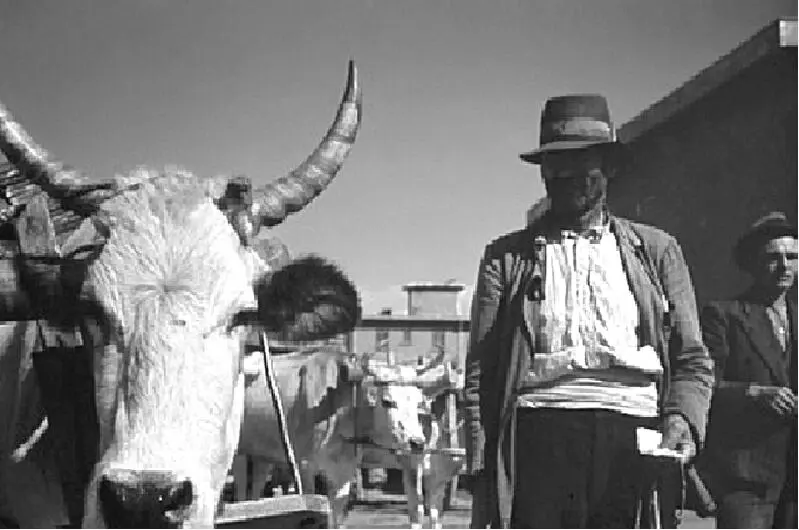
433 299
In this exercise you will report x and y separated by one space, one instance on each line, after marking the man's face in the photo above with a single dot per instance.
776 263
575 181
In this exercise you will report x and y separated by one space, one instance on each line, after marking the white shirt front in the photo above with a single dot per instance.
587 347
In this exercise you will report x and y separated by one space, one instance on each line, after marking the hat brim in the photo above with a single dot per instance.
747 244
534 156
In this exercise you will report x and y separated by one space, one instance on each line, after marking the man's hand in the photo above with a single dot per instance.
677 435
778 400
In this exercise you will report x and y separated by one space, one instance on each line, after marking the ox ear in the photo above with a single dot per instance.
308 299
233 196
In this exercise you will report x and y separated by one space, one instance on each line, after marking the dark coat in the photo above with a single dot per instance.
501 343
747 447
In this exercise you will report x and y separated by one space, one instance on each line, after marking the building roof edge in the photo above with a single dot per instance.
780 33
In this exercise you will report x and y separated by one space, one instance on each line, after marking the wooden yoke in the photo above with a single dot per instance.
24 283
35 229
439 377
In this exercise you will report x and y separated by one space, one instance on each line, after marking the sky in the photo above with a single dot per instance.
452 93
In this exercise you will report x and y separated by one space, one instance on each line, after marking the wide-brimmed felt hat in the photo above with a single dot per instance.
575 121
770 226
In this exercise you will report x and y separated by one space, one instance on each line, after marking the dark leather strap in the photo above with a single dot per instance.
536 288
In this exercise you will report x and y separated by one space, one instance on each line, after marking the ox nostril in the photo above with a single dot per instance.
178 499
113 497
137 502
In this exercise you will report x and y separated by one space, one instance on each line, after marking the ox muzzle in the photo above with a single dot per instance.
144 499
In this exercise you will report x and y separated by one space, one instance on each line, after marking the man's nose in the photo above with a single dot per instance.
142 499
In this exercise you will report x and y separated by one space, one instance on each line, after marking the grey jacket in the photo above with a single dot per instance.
501 344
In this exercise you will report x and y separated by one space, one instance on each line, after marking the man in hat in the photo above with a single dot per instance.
749 462
584 328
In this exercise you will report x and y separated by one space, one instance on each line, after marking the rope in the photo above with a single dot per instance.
22 451
281 416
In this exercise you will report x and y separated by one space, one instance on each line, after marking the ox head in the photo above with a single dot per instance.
402 396
160 280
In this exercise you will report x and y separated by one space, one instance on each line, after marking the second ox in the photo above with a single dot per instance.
333 403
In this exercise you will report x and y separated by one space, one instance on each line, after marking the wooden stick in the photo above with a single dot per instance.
281 416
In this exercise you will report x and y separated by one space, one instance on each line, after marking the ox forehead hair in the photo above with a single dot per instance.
169 250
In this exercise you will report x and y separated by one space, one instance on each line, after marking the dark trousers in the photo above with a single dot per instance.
744 509
748 509
581 469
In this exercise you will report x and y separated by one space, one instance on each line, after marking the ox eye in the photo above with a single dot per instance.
389 404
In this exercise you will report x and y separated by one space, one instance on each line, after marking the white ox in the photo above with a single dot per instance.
429 468
160 282
390 410
326 415
427 474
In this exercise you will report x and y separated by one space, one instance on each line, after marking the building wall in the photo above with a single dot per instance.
431 325
716 166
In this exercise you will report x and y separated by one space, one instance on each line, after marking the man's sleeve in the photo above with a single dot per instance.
691 370
729 394
481 355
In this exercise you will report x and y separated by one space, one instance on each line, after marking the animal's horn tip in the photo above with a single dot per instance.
353 90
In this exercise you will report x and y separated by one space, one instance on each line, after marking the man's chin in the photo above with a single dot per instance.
569 201
570 210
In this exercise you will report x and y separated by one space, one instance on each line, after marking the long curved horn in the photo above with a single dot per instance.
28 156
291 193
36 167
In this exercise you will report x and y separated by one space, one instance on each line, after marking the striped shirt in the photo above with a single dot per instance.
587 349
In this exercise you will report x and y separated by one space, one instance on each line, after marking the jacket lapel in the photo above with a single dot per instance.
531 264
648 293
644 287
760 332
